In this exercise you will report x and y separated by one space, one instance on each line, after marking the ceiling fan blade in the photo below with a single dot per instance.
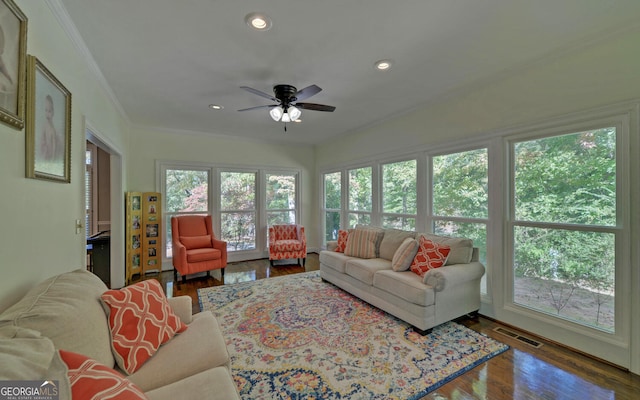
307 92
258 107
315 107
259 93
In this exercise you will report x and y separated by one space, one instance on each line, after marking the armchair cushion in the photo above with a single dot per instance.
288 245
196 242
206 254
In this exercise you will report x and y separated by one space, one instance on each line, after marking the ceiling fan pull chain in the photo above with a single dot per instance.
285 127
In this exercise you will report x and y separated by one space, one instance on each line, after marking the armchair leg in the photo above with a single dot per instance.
175 275
184 279
304 261
222 272
271 262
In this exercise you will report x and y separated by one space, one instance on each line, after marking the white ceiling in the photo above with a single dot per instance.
167 60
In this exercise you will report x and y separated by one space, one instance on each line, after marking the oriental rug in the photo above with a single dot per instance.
297 337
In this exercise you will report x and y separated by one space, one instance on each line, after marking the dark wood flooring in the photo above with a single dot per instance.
523 372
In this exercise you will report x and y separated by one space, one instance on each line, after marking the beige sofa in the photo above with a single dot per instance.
64 312
444 293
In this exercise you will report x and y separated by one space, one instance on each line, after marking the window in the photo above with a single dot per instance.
186 192
564 229
238 210
360 196
460 198
281 198
399 195
332 205
241 202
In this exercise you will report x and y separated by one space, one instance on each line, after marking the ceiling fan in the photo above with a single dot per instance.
287 98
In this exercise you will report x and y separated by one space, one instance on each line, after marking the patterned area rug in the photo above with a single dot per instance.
297 337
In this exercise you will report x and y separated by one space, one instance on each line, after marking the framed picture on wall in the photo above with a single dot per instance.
13 50
48 123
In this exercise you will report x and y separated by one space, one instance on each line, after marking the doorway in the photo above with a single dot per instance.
104 191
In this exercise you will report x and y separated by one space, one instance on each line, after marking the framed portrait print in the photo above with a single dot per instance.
48 125
13 45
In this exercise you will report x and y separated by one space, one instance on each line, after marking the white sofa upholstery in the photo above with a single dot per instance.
444 293
64 312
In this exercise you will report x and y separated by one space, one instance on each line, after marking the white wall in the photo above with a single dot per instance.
37 236
149 145
599 74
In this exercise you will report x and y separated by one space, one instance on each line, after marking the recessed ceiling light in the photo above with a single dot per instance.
215 107
382 65
258 21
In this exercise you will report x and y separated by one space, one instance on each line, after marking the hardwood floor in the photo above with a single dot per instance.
523 372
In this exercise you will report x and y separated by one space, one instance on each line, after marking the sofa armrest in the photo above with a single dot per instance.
452 275
332 245
181 306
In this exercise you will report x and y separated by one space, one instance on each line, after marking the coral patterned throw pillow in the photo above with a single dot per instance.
91 380
430 255
343 235
140 320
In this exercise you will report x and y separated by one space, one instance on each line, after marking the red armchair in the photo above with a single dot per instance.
195 247
287 241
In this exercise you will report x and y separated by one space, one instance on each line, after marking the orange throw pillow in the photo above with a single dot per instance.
91 380
430 255
342 240
140 320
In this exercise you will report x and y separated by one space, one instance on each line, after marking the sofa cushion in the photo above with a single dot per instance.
405 254
364 269
66 309
334 260
342 240
391 240
362 243
91 380
430 255
212 384
406 285
461 248
140 320
199 348
196 242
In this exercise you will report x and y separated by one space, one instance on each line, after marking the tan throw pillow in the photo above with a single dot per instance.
391 240
362 243
405 254
461 248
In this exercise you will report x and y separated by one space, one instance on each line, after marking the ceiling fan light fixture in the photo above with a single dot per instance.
294 113
258 21
276 113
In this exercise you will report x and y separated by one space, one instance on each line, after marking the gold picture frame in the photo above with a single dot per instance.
13 50
48 125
